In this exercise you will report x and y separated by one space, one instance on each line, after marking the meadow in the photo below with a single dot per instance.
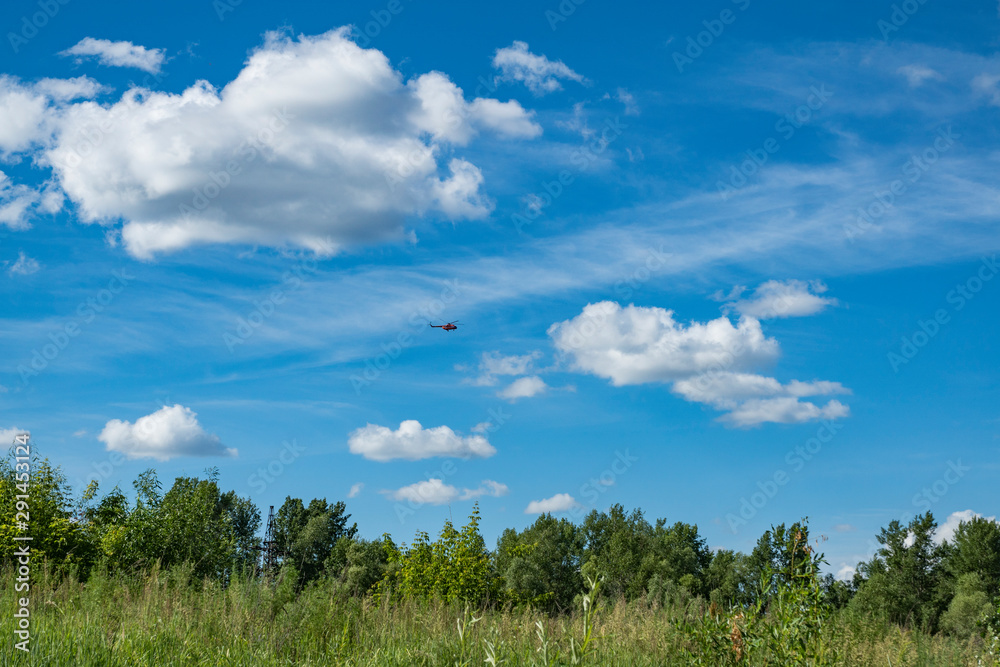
168 618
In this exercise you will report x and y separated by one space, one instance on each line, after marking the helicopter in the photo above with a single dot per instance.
450 326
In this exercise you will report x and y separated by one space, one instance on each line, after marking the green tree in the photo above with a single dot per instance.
902 582
541 564
307 535
616 544
677 555
48 509
456 566
975 549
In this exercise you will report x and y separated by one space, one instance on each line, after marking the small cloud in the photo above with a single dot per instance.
80 433
118 54
538 73
787 410
845 528
626 98
435 492
24 266
167 433
487 488
987 85
65 90
561 502
845 573
790 298
577 123
916 75
355 490
432 491
413 442
525 387
492 364
7 435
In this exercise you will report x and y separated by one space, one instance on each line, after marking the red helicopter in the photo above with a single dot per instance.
450 326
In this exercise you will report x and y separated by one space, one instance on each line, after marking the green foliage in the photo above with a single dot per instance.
968 608
307 535
616 544
541 565
903 582
48 507
975 548
456 566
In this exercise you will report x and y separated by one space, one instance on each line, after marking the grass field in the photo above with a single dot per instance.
165 619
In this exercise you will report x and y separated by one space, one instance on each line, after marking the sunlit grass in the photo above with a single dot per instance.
164 619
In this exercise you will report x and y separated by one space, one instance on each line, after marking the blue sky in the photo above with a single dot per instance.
732 263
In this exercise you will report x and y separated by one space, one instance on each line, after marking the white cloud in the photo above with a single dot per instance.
486 488
987 84
560 502
628 99
24 113
791 298
65 90
783 411
118 54
845 528
706 362
946 531
435 492
317 143
525 387
916 75
413 442
492 364
167 433
19 203
7 435
636 345
443 112
538 73
24 266
725 390
846 572
432 491
355 490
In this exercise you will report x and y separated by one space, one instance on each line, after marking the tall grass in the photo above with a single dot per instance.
166 618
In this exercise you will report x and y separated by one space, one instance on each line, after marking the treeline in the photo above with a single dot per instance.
912 580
